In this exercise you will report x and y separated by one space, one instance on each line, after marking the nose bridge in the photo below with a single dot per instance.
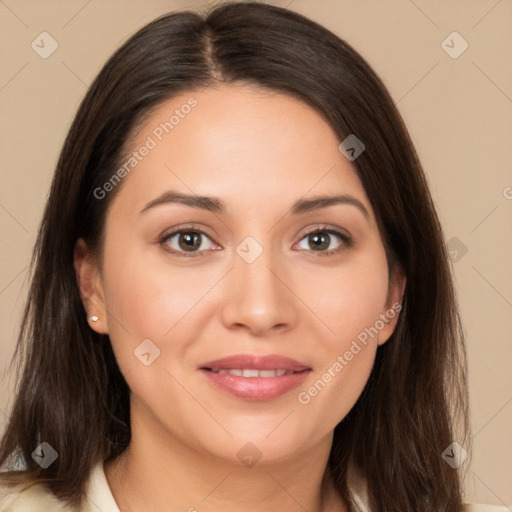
257 295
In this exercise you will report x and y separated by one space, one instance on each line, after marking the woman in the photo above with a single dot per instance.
241 297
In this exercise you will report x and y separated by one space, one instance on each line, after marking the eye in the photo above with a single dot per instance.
187 242
192 241
323 241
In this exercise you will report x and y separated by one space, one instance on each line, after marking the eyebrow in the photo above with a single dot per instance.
214 205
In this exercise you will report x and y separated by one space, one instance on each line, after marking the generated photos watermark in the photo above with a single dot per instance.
305 397
151 142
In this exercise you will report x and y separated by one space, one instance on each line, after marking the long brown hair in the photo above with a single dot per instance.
71 392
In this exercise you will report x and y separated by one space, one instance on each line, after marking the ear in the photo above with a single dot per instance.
90 286
393 306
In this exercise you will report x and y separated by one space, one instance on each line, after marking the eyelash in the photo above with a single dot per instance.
345 239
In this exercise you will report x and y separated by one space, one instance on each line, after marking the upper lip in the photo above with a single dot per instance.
256 362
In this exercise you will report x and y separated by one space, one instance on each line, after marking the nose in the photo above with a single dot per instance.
259 296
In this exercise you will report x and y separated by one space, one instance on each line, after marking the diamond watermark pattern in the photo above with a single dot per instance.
454 45
44 45
146 352
45 455
249 249
351 147
454 455
457 249
249 454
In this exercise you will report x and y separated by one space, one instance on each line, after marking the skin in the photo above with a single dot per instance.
259 152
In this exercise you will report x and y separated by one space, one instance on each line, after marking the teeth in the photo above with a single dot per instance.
251 372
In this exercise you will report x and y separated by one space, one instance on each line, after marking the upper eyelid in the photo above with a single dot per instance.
183 229
191 227
328 228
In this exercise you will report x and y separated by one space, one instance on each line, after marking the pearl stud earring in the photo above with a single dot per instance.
94 318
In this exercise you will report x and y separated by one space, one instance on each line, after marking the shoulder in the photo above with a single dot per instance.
39 498
357 485
34 498
481 507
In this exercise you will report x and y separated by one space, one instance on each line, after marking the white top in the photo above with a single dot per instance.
38 498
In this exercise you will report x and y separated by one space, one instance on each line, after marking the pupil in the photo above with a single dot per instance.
322 239
189 241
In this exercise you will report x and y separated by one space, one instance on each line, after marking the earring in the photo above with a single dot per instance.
94 318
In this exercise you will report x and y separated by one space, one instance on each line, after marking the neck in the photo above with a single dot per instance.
160 472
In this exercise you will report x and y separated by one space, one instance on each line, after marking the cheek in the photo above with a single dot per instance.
148 299
350 302
333 392
350 298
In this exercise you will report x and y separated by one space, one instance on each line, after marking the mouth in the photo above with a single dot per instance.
254 372
255 378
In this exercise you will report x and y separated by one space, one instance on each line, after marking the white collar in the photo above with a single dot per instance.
100 498
99 495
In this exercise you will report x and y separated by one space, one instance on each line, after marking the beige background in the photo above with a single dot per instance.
458 110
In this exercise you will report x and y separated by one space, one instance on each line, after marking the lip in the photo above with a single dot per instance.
256 362
255 388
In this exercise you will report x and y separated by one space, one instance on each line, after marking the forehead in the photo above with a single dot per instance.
248 146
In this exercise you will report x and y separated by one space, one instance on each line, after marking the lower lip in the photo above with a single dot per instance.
256 388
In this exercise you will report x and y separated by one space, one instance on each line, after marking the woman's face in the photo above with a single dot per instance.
186 282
